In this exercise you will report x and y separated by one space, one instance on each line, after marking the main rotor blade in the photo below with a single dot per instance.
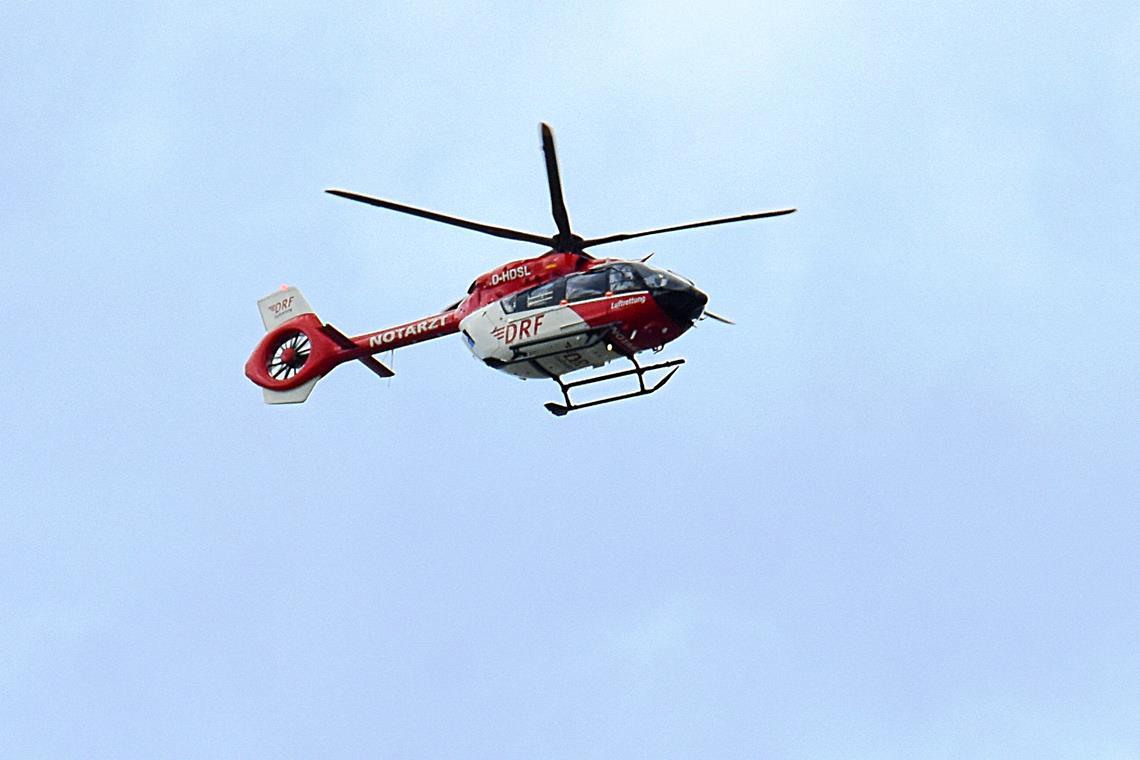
710 222
557 202
503 232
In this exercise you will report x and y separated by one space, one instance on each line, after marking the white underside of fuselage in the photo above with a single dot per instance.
538 343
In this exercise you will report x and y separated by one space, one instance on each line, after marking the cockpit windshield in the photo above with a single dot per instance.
654 279
659 278
624 278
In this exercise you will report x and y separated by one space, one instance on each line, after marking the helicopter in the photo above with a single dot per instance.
541 317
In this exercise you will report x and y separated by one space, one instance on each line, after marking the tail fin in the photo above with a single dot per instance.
282 306
276 309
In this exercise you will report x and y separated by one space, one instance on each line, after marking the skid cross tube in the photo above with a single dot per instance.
560 410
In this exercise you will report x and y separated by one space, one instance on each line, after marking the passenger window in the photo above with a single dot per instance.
543 295
623 279
579 287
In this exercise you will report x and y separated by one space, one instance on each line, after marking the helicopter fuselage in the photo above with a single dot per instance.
547 326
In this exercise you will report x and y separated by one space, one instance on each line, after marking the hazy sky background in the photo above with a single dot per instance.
893 513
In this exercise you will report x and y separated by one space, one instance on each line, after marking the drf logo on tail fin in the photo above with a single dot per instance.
283 305
520 329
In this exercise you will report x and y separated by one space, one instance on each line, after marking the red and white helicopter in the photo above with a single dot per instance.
541 317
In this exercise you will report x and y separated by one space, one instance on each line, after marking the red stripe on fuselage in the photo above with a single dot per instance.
636 315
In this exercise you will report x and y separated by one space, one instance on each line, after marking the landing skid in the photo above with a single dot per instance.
561 410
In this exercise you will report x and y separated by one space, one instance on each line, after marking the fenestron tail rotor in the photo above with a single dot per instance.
289 356
564 240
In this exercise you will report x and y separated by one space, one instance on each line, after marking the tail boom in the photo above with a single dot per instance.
435 326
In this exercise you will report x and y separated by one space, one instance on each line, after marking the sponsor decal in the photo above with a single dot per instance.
397 333
513 273
520 329
621 303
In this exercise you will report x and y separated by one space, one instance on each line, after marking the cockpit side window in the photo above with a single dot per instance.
580 287
624 279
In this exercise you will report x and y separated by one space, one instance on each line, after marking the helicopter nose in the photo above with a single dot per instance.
682 303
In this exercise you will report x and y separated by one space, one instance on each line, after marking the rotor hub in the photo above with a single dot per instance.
288 356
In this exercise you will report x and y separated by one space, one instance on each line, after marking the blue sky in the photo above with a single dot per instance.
891 514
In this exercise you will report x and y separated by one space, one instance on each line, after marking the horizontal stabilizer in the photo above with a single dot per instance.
379 368
367 360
